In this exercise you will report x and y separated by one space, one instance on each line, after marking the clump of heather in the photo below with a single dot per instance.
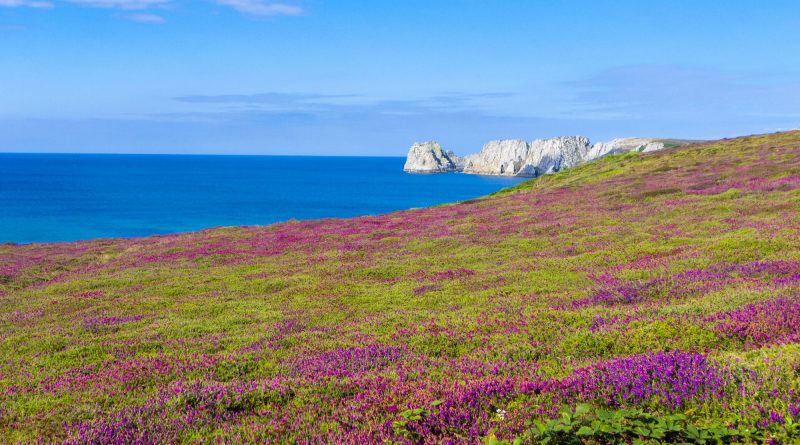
762 323
468 411
99 322
754 184
141 425
182 409
224 399
690 283
669 379
422 290
450 274
344 362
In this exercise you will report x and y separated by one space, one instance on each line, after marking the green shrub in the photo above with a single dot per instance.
625 426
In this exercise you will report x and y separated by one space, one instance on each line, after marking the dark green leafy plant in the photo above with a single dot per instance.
400 426
586 425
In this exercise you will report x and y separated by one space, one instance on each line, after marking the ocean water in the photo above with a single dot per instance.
66 197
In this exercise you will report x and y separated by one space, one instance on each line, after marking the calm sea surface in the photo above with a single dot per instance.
65 197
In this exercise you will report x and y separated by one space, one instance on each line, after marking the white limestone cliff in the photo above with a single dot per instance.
552 155
503 157
625 145
429 157
516 157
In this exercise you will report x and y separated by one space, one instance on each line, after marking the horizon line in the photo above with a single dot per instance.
194 154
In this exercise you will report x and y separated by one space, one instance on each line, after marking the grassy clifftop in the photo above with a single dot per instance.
666 282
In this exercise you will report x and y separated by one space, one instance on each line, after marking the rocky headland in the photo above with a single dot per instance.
516 157
428 157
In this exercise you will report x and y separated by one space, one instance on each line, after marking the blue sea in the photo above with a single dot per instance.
67 197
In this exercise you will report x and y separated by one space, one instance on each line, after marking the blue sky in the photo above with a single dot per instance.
371 77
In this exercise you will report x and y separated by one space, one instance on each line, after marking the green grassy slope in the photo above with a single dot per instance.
666 282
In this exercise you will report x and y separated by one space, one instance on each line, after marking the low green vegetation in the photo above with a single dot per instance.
642 298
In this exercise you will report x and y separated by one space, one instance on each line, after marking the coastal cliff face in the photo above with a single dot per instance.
429 157
552 155
516 157
625 145
498 158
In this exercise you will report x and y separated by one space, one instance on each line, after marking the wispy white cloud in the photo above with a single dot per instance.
150 19
448 102
261 8
121 4
26 3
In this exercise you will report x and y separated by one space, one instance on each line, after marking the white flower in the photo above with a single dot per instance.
501 413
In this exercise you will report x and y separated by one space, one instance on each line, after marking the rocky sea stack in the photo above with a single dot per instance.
429 157
516 157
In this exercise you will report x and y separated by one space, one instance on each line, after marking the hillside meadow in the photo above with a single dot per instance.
641 298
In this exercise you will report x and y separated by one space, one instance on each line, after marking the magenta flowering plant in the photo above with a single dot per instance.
660 285
669 379
762 323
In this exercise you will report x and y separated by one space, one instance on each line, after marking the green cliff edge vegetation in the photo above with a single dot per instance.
642 298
